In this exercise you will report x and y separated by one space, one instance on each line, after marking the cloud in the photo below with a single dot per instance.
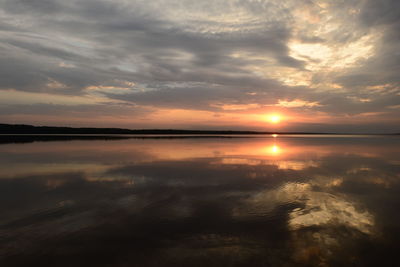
196 56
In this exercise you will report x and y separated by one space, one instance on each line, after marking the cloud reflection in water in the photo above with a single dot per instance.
311 202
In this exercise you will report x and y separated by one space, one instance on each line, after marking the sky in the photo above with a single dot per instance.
328 66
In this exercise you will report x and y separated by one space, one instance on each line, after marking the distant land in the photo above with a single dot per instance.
11 129
30 129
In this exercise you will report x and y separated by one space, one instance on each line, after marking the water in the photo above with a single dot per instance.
257 201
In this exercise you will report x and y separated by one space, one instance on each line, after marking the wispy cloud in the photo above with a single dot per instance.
302 56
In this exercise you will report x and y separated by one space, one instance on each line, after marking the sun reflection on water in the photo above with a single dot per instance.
317 196
273 150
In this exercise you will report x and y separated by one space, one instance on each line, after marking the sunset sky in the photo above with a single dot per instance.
299 65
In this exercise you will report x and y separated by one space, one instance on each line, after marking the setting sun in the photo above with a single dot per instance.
274 118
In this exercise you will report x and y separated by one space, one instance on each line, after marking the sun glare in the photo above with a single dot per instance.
274 118
272 150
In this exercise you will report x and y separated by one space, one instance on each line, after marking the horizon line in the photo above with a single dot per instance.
9 128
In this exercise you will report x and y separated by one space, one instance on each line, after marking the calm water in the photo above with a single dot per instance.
284 201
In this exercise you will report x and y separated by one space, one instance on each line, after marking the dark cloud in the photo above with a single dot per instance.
382 68
384 12
187 55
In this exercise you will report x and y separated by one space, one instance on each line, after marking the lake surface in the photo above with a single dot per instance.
257 201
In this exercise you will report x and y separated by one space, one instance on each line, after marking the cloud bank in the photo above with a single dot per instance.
200 65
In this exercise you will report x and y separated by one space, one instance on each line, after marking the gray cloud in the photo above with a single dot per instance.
109 33
383 67
185 54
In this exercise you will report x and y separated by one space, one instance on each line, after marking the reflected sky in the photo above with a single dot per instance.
265 201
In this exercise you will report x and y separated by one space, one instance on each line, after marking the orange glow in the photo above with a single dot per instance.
273 150
274 118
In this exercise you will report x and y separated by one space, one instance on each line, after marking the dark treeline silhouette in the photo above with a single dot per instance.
16 139
50 130
30 129
30 138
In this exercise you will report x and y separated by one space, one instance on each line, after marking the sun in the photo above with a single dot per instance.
274 118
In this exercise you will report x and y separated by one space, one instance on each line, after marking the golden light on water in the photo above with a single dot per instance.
274 150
